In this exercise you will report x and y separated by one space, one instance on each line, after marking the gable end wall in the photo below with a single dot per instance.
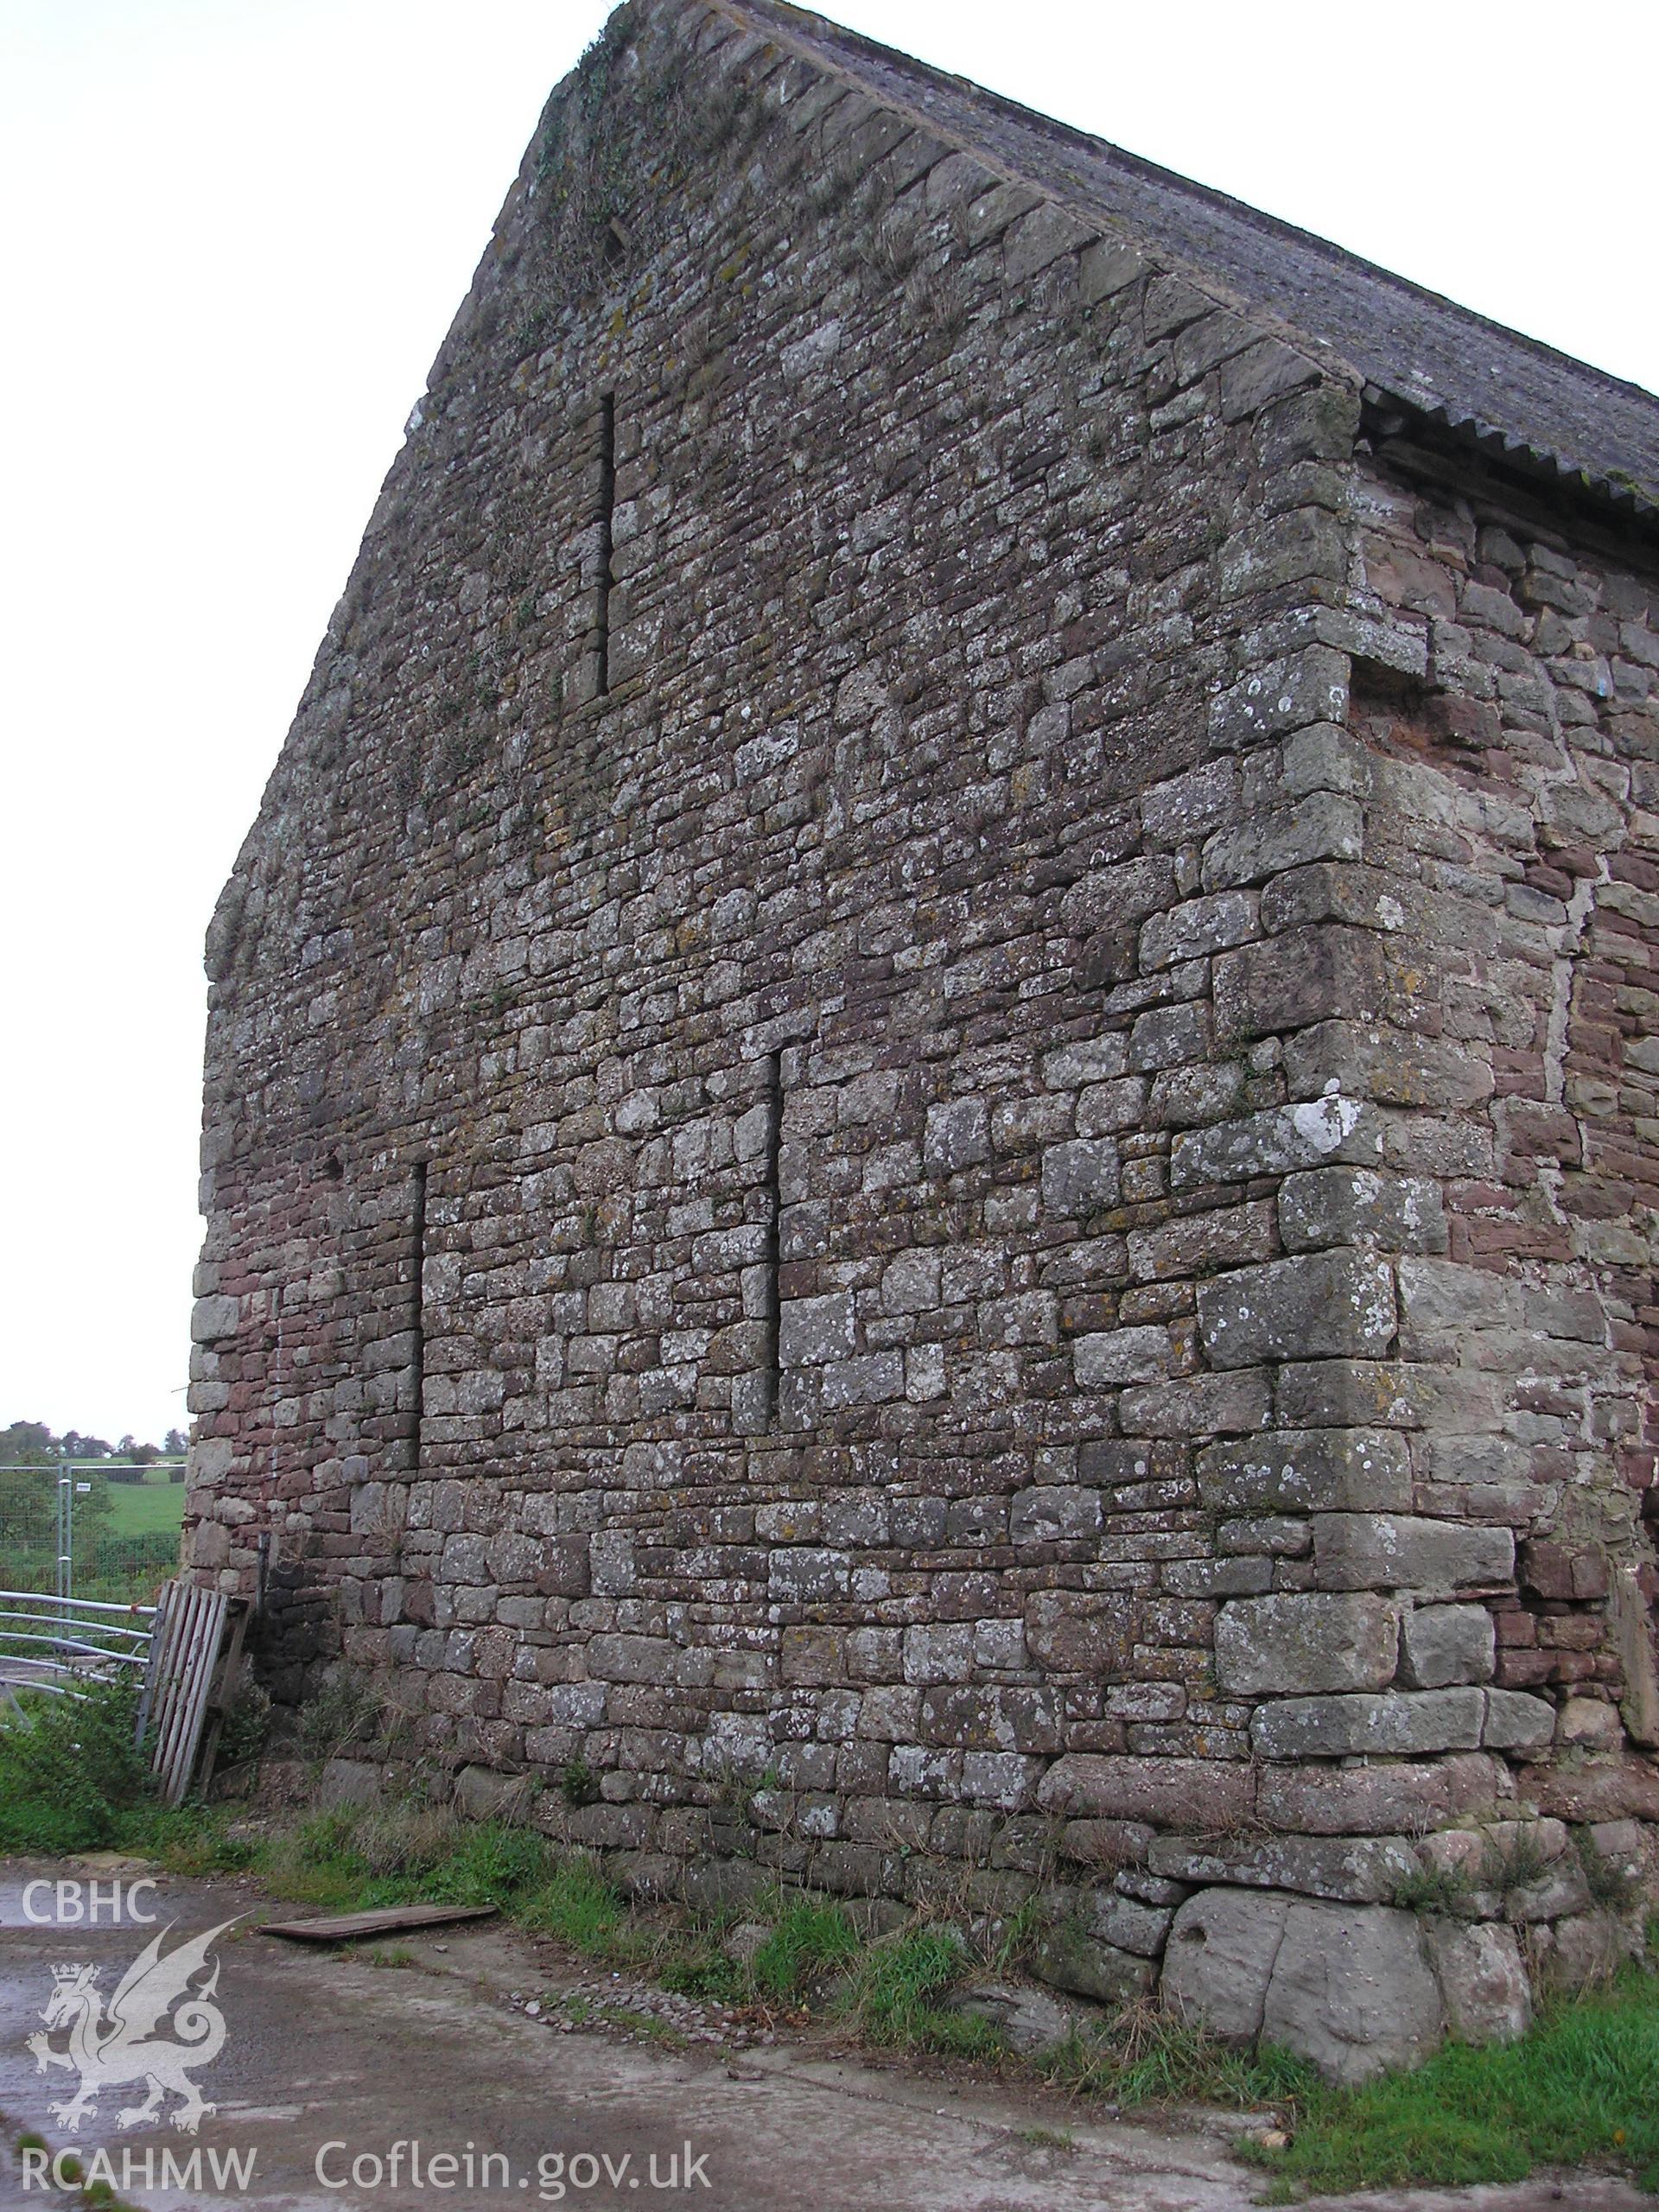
1006 1274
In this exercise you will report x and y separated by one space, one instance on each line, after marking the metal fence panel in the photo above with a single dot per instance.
34 1542
91 1529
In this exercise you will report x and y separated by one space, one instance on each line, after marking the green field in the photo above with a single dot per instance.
140 1509
127 1546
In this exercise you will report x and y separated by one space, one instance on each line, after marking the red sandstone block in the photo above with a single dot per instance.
1457 719
1545 1568
1515 1630
1597 1793
1522 1669
1474 1248
1590 1578
1537 1131
1597 1048
1470 1201
1488 1243
1507 1059
1570 1632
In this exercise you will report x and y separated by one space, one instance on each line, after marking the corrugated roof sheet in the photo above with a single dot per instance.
1478 377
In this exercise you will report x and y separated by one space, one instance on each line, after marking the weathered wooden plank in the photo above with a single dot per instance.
342 1928
184 1657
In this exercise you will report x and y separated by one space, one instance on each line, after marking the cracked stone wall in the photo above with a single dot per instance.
929 1099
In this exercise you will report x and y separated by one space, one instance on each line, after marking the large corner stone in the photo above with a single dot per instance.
1361 1205
1307 1470
1278 1141
1310 686
1359 1870
1441 1645
1392 1723
1220 1958
1394 1798
1317 1305
212 1319
1345 1986
1201 1795
1482 1980
1305 1641
1351 1991
1403 1551
1298 977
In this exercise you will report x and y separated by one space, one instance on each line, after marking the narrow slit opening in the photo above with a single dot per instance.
773 1092
607 506
417 1313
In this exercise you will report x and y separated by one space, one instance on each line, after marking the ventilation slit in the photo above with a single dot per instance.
606 507
773 1092
417 1313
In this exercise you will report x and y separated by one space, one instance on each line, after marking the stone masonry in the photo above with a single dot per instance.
932 1125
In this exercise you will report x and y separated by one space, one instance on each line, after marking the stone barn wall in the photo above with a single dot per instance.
874 1171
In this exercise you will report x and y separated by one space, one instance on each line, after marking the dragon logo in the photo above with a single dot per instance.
121 2046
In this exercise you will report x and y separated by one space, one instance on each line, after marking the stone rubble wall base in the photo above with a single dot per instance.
1284 1939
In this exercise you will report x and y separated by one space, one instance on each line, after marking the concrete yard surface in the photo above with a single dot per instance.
330 2060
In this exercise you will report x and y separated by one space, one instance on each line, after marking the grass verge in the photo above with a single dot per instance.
71 1777
1576 2090
1144 2055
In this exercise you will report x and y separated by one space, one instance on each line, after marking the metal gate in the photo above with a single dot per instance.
49 1643
182 1654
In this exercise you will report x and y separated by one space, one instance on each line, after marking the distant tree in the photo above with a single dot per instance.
74 1445
29 1530
31 1444
26 1444
174 1444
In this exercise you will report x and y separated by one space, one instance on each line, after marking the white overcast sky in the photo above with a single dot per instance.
233 234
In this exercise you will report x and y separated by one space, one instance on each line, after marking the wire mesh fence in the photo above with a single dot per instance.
90 1529
35 1546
